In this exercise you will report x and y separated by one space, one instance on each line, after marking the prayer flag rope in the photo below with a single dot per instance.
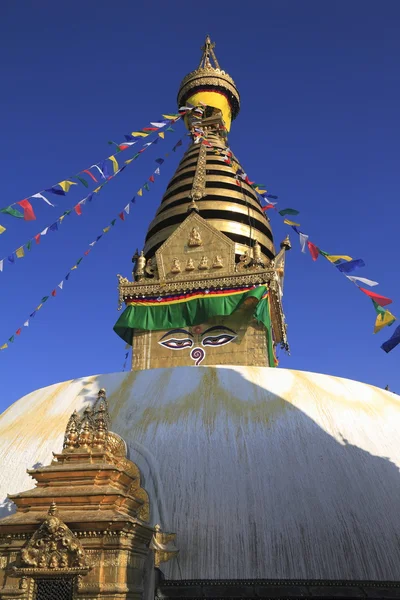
77 208
343 263
122 216
95 171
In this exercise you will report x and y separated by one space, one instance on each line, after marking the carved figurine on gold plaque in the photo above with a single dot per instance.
217 264
189 265
140 265
203 264
176 266
194 238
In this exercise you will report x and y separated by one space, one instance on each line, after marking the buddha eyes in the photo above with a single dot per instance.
176 344
218 340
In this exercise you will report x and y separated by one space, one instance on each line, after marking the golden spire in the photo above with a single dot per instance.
208 50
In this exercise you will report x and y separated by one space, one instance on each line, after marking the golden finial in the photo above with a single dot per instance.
285 244
193 206
53 509
208 50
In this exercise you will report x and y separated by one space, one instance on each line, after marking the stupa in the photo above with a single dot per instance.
217 474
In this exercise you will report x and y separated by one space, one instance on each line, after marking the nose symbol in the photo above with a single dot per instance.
197 354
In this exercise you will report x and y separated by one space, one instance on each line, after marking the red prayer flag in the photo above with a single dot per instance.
78 209
122 216
313 250
381 300
151 178
87 252
18 331
29 215
150 129
90 174
267 206
53 293
123 146
37 238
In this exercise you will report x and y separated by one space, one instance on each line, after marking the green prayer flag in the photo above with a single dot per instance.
44 299
83 181
79 260
28 245
11 211
136 155
288 211
11 339
146 187
170 129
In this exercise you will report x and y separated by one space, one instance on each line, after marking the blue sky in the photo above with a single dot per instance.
319 124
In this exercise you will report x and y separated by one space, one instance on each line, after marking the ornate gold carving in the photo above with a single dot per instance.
199 179
244 261
53 546
162 544
176 266
217 263
189 265
140 266
194 238
203 264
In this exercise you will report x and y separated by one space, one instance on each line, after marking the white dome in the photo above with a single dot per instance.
261 473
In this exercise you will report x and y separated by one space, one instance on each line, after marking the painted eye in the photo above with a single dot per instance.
175 344
218 340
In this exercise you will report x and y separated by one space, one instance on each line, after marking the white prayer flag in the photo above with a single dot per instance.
60 285
42 197
362 280
303 239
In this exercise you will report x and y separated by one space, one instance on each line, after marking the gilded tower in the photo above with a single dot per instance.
207 287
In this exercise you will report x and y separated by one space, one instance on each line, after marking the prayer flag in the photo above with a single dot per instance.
140 192
83 181
78 262
18 332
139 134
2 229
157 171
44 299
4 346
291 223
29 215
288 211
381 300
159 161
86 252
113 222
383 317
1 264
351 265
133 200
115 163
336 258
26 324
127 209
55 191
98 168
78 209
12 211
151 178
128 137
38 307
60 285
313 250
37 238
11 259
20 252
74 267
54 227
67 276
90 174
65 185
43 198
149 129
106 229
171 117
127 162
362 280
159 124
29 245
161 134
266 207
393 341
11 339
303 241
122 216
146 187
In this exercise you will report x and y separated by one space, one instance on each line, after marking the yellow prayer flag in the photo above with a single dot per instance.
383 319
2 229
114 162
74 267
65 185
139 134
127 162
161 134
4 346
62 218
260 191
335 257
291 223
140 192
106 229
39 307
97 189
20 252
171 117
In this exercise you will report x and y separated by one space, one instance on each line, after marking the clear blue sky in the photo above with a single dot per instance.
319 124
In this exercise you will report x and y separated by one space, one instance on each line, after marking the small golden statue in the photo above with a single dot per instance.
217 264
140 265
194 238
176 266
203 263
189 265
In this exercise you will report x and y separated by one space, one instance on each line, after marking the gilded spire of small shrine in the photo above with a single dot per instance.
208 51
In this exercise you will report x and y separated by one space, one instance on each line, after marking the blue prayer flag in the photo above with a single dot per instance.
393 341
351 265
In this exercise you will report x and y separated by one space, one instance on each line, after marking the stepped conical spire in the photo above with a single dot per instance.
208 51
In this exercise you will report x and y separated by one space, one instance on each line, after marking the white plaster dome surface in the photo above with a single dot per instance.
261 473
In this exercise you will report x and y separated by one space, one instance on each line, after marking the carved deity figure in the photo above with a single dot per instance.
203 264
176 266
140 265
189 265
217 264
194 238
